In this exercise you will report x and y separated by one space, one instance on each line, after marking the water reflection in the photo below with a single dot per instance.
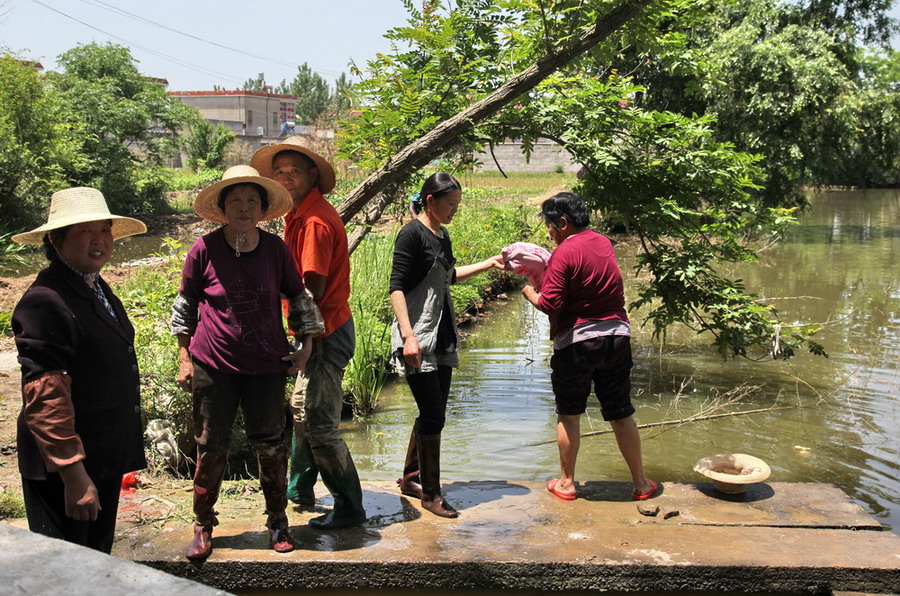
839 418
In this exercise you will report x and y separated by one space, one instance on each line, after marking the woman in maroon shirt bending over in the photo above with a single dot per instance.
582 293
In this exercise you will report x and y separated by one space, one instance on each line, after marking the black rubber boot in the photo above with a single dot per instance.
303 472
342 480
430 472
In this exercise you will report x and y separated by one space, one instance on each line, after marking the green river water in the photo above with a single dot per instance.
839 268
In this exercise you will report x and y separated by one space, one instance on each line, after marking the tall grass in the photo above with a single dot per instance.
147 295
185 179
517 185
479 231
370 270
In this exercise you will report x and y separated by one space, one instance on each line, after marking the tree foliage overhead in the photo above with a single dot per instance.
786 81
693 199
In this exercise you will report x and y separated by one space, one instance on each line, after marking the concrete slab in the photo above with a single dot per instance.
779 537
36 565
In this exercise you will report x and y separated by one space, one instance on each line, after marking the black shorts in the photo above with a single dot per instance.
605 361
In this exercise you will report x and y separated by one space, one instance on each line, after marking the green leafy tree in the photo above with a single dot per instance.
206 143
783 81
129 123
253 84
342 100
38 150
312 92
481 72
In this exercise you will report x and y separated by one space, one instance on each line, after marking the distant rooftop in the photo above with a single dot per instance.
232 92
33 64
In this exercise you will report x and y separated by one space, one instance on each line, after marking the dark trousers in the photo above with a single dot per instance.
218 395
431 391
45 507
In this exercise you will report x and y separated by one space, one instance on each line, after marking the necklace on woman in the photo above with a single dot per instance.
238 241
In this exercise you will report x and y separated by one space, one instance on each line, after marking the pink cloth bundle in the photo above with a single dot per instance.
530 260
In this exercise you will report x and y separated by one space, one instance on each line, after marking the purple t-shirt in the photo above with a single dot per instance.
240 328
582 283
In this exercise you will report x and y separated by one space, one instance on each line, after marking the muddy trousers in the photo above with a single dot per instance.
217 397
318 447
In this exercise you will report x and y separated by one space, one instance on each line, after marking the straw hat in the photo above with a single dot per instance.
262 161
79 205
206 205
730 472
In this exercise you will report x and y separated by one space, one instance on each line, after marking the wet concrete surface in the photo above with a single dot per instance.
777 537
36 565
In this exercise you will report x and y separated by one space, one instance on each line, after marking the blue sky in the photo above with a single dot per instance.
326 34
278 36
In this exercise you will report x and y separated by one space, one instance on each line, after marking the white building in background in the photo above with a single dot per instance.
253 116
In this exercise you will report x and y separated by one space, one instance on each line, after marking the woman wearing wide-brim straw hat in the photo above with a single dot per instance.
80 426
233 351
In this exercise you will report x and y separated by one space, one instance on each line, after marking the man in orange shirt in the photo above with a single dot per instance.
318 241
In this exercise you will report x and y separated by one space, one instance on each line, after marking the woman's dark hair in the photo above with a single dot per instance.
568 205
263 195
437 185
54 237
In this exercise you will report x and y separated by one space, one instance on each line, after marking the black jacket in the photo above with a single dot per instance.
60 324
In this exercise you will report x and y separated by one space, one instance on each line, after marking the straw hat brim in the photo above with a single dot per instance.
262 161
206 205
122 227
733 468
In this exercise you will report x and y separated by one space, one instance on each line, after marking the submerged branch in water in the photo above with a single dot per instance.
696 418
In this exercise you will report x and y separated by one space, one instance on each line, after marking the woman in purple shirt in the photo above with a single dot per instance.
233 350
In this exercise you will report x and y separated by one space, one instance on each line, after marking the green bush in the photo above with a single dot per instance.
11 505
148 295
188 180
5 323
206 143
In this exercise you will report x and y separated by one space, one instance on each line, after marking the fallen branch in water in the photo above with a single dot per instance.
695 418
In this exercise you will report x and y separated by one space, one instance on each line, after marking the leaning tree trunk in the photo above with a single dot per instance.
418 153
373 214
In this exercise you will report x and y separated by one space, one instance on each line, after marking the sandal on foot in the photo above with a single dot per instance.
654 486
551 486
280 540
